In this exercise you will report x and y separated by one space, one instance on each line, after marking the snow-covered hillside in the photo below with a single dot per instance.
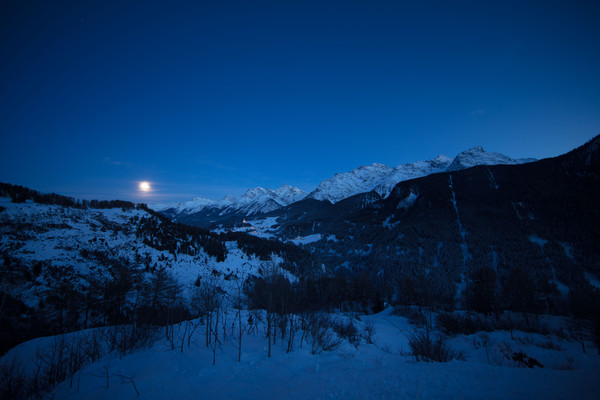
382 179
405 172
378 177
66 238
359 180
382 369
478 156
56 252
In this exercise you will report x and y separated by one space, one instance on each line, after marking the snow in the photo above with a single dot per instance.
360 180
382 178
493 180
377 177
58 235
307 239
592 279
382 370
562 288
388 224
254 201
408 201
478 156
568 250
262 227
198 204
409 171
538 240
460 227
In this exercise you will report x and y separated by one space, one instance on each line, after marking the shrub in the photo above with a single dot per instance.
127 338
14 383
454 324
425 347
369 331
416 317
523 360
322 339
346 329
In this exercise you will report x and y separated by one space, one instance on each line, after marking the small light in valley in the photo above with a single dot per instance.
145 186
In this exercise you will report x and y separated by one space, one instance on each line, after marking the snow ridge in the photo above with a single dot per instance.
254 201
378 177
375 177
478 156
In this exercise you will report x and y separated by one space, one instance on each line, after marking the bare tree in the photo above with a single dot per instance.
577 331
292 328
369 329
206 301
125 378
238 302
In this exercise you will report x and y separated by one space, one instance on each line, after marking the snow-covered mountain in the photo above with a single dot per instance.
478 156
254 201
378 177
418 169
195 205
262 200
382 179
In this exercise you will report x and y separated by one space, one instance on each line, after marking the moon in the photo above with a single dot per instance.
145 186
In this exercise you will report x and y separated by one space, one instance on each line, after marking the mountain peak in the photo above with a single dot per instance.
478 156
255 192
442 158
476 149
288 194
377 176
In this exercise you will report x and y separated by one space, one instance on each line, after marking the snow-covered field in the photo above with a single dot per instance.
261 227
315 237
383 370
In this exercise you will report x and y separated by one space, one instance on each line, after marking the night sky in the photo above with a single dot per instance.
211 98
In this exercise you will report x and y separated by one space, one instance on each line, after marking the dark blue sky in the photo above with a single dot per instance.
211 98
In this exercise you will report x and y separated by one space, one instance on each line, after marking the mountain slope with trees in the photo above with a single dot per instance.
527 232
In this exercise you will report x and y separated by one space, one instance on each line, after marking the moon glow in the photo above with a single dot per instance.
145 186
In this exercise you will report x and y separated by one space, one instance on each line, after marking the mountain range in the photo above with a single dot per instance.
376 177
534 225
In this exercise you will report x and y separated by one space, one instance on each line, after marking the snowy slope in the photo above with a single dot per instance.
418 169
478 156
382 370
195 205
67 241
262 200
382 179
378 177
359 180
